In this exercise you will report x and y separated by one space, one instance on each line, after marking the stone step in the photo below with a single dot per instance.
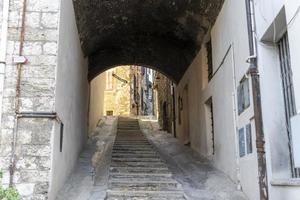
126 139
138 164
124 151
136 159
144 195
133 149
148 186
139 170
132 144
141 177
135 156
137 146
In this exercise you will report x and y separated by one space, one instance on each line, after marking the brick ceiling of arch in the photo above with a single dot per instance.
165 34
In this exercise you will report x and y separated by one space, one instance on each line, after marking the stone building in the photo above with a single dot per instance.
235 65
141 91
164 102
117 87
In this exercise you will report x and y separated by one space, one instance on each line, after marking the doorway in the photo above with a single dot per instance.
185 116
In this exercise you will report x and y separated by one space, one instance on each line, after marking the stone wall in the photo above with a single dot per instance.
117 98
162 86
37 86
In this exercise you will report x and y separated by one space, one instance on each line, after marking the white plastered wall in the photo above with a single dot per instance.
96 101
281 186
71 99
230 50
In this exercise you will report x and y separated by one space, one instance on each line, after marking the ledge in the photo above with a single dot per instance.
286 182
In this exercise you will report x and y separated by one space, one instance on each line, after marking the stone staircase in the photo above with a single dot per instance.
137 171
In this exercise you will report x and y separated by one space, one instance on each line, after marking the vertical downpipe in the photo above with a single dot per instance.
3 47
253 71
17 96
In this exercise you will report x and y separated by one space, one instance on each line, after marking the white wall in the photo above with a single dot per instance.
278 164
71 99
229 34
293 20
96 105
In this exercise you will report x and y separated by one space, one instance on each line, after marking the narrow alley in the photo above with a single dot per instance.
149 99
145 163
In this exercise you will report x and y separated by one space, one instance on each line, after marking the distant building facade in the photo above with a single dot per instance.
117 88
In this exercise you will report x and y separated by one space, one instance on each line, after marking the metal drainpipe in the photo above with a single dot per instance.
3 47
254 73
17 97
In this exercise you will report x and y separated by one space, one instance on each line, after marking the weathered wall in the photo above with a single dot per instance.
270 30
230 50
37 91
71 99
96 109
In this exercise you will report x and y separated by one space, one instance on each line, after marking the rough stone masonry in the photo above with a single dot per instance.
31 171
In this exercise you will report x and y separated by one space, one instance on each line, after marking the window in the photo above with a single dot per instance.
243 95
245 141
249 138
109 80
242 142
209 60
61 137
109 113
288 92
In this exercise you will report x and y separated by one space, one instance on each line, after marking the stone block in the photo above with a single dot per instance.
50 48
46 60
36 150
5 150
41 104
37 87
10 93
13 34
27 163
8 121
44 163
12 47
25 189
15 5
24 136
6 136
43 5
42 71
11 71
33 19
26 104
5 179
41 188
4 163
14 19
49 20
41 34
34 176
32 48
